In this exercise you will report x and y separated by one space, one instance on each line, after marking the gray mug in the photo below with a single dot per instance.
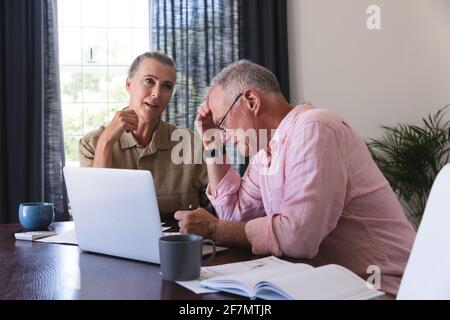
181 256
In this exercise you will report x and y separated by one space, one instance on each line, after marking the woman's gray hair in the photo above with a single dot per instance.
242 74
156 55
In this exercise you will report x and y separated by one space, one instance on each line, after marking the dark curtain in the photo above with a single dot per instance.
264 37
31 139
204 36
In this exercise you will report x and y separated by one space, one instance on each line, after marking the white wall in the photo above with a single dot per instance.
397 74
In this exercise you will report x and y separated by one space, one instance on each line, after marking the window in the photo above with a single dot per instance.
98 39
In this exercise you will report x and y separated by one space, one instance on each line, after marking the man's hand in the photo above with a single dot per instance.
199 222
204 123
204 119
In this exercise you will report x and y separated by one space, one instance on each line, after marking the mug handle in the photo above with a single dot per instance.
50 226
212 255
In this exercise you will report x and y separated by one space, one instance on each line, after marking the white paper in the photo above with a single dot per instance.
230 268
68 237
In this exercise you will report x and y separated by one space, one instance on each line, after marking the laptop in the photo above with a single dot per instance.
115 212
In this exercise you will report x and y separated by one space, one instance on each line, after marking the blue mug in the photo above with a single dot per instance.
36 215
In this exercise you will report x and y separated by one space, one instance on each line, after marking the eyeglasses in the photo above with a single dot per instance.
228 111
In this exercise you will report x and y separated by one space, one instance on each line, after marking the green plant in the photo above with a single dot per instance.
410 157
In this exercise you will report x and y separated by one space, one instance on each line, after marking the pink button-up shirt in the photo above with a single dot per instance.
316 193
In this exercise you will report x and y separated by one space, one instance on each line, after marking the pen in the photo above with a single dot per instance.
257 266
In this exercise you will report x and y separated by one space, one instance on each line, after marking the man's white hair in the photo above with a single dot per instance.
243 74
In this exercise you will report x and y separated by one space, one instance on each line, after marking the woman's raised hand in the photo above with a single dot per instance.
123 121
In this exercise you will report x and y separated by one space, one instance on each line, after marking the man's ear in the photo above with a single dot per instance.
253 100
128 85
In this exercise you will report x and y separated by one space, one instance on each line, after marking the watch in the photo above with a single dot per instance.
213 153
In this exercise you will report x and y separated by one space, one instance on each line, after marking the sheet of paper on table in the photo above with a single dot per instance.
68 237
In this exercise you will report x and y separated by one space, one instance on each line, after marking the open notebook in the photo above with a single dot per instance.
295 281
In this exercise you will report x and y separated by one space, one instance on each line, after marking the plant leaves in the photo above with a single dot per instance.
411 156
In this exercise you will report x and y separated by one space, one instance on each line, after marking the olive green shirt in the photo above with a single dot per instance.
178 186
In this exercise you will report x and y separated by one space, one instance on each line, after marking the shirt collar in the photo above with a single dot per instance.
282 132
160 139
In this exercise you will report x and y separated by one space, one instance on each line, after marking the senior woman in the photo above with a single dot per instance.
137 138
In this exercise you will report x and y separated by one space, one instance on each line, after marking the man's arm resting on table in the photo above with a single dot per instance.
231 234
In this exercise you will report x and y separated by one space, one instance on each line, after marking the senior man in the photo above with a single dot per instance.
311 190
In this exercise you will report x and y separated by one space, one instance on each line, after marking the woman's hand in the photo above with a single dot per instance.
123 121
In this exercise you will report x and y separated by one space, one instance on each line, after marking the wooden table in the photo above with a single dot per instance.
34 270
